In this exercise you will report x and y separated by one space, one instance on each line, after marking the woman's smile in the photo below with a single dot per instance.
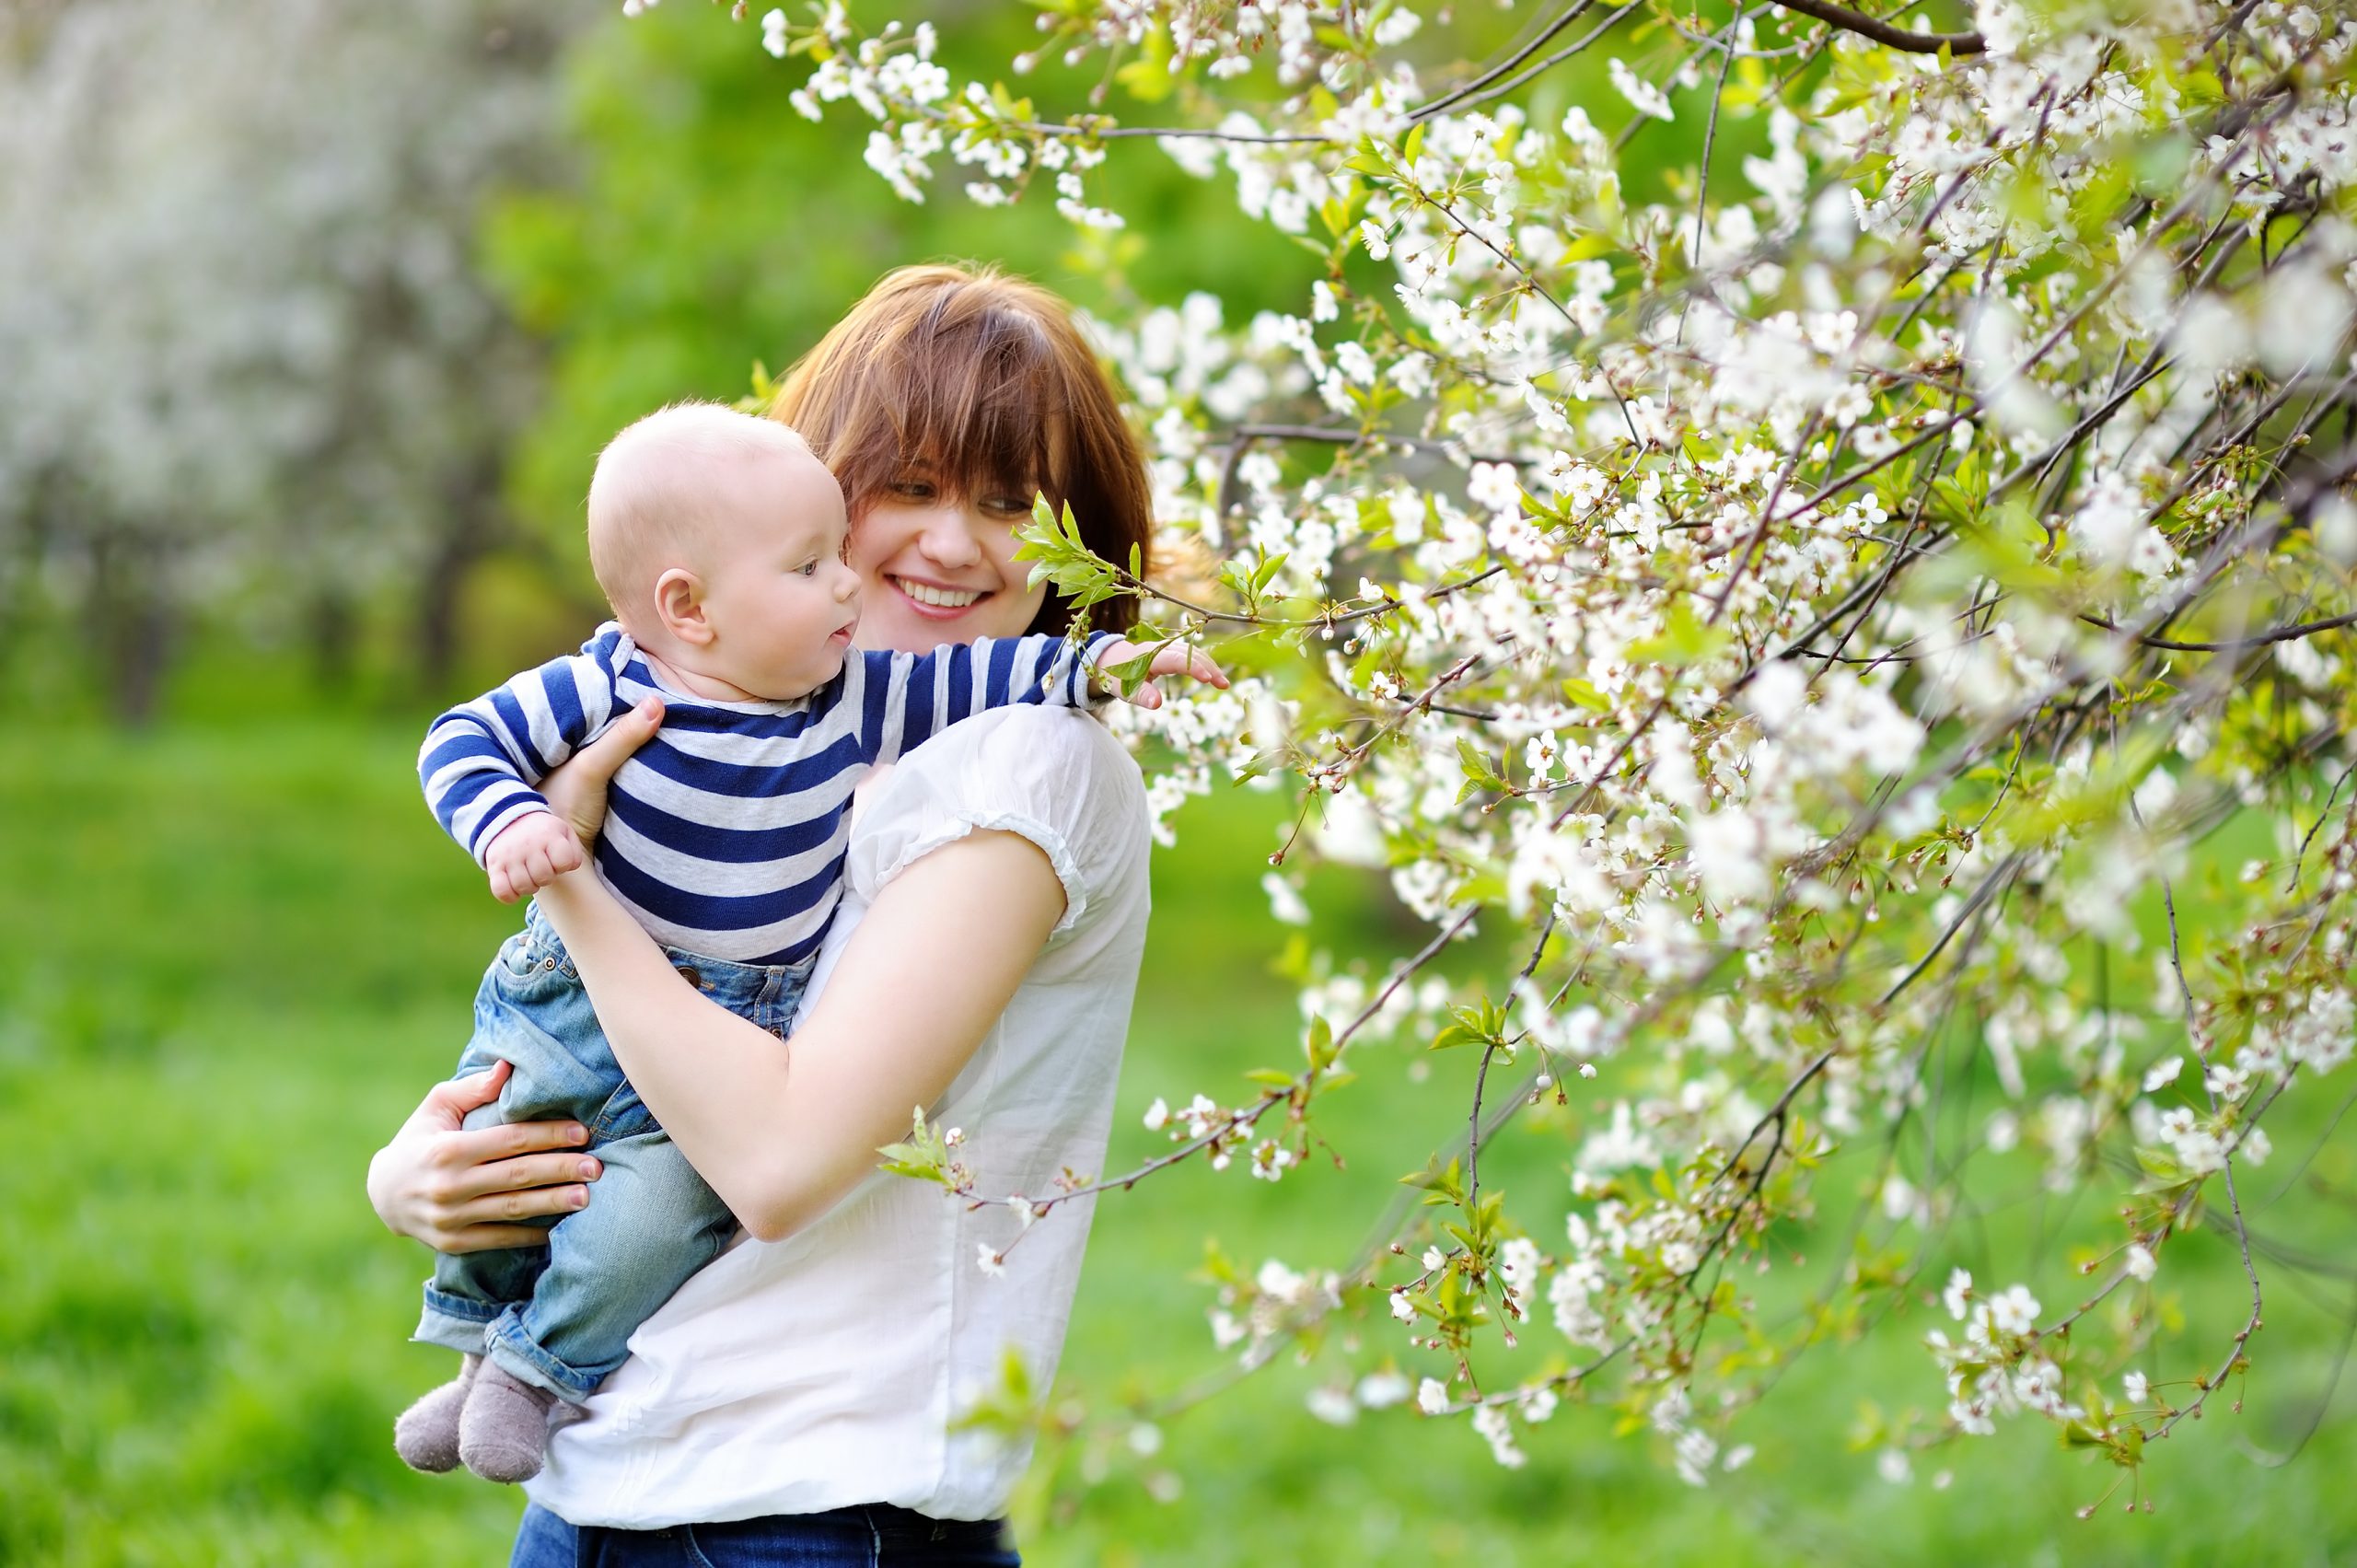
937 600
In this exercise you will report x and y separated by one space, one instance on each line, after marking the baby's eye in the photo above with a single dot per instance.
808 568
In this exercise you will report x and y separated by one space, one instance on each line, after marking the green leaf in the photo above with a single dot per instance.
1322 1042
1479 774
1148 80
1482 1024
1052 542
1684 641
1009 1410
924 1157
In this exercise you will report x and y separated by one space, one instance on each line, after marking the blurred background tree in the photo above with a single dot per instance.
255 379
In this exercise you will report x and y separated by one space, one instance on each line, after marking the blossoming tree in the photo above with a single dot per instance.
1830 608
247 357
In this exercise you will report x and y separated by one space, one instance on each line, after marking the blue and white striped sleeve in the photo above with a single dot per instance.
905 698
481 759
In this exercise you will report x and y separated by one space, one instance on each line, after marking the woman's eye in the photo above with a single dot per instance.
912 489
1009 506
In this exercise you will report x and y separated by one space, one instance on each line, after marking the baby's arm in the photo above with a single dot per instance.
912 696
481 759
1167 658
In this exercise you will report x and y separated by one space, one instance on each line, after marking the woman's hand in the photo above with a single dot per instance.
462 1192
576 790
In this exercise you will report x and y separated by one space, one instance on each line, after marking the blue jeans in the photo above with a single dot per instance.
559 1316
873 1534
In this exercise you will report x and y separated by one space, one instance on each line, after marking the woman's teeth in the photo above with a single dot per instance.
938 599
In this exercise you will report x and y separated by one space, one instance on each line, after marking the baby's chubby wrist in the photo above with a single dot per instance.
531 853
532 823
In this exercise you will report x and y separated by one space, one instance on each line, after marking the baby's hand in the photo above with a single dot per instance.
530 854
1172 657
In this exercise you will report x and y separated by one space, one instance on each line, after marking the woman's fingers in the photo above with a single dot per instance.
451 1100
467 1185
478 1209
522 1203
485 1159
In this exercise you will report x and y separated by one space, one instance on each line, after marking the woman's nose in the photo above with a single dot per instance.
949 538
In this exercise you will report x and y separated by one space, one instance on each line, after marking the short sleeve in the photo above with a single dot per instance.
1053 775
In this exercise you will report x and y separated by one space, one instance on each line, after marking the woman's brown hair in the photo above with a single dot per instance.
984 380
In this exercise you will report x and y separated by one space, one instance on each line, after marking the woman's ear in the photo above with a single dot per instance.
679 604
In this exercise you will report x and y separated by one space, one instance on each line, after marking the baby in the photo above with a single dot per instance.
718 539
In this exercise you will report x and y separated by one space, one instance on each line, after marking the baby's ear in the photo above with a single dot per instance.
679 604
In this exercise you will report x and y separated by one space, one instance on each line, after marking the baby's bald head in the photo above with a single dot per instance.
678 488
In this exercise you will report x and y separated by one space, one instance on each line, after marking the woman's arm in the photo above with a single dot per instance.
782 1135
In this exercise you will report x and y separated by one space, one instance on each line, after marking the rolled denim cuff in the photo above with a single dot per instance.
512 1351
453 1323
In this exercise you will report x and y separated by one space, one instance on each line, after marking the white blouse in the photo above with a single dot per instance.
827 1369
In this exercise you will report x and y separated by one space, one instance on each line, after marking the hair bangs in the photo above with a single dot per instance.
985 407
969 394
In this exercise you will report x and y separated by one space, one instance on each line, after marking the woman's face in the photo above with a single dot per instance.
939 567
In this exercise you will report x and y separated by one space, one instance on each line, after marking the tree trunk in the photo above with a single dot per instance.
334 637
471 508
131 623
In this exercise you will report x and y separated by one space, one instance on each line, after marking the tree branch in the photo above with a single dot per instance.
1884 33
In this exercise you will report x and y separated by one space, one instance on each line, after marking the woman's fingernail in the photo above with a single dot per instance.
576 1199
590 1170
577 1134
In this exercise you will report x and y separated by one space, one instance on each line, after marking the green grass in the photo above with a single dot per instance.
233 955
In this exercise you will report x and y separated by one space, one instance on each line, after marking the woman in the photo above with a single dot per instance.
800 1400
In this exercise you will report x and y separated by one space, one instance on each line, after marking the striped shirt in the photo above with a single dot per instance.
725 834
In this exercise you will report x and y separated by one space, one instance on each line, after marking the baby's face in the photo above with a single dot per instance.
780 600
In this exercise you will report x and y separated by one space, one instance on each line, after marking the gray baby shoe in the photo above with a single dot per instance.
504 1428
426 1435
